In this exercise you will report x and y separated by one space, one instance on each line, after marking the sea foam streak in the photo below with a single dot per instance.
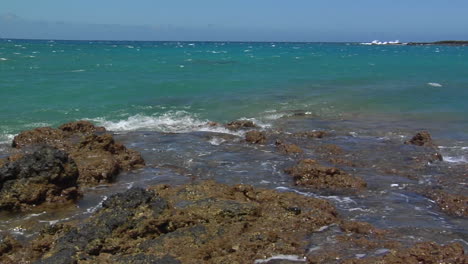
170 122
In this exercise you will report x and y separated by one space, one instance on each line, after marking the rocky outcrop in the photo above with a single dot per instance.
310 173
288 148
45 175
255 137
98 157
200 223
421 139
453 204
240 124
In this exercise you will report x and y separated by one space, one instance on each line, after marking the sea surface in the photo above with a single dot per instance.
158 97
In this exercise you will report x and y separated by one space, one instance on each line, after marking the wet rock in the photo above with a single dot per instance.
312 134
359 228
255 137
7 244
452 204
98 157
197 223
310 173
288 148
146 259
421 139
81 127
45 175
240 124
425 252
330 150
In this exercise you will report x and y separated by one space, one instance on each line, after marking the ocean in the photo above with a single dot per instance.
159 97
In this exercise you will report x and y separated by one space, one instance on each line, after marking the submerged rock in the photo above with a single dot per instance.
312 134
199 223
310 173
255 137
425 252
421 139
98 157
240 124
45 175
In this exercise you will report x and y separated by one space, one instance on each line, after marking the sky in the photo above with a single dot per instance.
236 20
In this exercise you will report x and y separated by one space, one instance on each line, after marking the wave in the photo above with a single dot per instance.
170 122
458 159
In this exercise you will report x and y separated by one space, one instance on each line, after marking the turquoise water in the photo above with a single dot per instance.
178 86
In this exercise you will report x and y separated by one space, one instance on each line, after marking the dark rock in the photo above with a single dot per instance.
45 175
98 157
421 139
199 223
310 173
240 124
255 137
7 244
64 256
129 199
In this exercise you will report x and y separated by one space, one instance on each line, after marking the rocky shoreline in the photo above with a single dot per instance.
204 221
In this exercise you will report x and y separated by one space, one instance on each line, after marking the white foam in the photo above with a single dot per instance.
170 122
216 141
434 84
3 59
80 70
6 138
460 159
284 257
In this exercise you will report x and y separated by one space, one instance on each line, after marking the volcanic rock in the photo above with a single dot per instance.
45 175
240 124
310 173
98 157
255 137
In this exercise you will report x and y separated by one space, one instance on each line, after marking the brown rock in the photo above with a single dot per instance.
196 223
81 127
288 148
240 124
309 173
47 175
421 139
452 204
312 134
255 137
98 157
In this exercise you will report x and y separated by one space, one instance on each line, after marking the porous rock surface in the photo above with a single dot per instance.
310 173
98 157
196 223
44 175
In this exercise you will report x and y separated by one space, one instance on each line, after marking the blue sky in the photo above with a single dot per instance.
242 20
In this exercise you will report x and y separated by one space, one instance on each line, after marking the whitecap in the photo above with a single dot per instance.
283 257
216 141
460 159
170 122
80 70
434 84
3 59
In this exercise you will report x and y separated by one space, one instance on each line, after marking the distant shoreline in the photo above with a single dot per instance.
442 42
